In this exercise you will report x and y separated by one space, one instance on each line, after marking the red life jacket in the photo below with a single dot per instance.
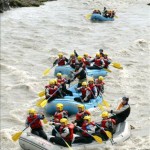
53 90
99 84
36 124
69 137
97 62
104 121
83 91
80 115
61 81
59 115
106 63
72 61
84 125
61 61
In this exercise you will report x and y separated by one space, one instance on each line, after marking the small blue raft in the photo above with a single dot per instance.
70 105
98 17
66 70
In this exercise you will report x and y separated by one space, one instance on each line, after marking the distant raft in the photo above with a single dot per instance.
66 70
98 17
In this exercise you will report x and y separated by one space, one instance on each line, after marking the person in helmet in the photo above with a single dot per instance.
33 120
86 93
65 133
59 114
122 111
87 126
96 11
81 62
80 74
61 60
87 59
62 81
98 62
105 12
52 91
107 124
101 51
72 60
99 83
93 88
80 115
107 61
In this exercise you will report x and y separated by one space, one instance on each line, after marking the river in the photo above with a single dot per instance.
32 37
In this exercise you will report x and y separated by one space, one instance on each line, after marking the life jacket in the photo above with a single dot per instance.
91 87
72 61
98 62
53 90
83 91
99 84
61 81
61 61
84 125
69 137
106 61
36 124
80 115
105 121
59 115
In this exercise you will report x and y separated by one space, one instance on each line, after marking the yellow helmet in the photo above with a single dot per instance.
85 54
60 54
100 78
105 114
81 106
106 54
59 74
79 57
51 82
60 106
72 54
98 54
32 111
87 118
64 120
55 81
91 80
84 84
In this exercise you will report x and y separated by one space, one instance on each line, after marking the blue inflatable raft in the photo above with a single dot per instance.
66 70
98 17
70 105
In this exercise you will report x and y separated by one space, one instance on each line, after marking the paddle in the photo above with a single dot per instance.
62 139
97 138
41 94
39 102
43 103
17 135
117 65
88 16
107 70
47 71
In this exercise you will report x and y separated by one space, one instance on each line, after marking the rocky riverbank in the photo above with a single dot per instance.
7 4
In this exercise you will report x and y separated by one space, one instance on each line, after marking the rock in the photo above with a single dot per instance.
4 5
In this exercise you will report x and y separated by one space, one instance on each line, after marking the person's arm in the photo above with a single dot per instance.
55 62
121 110
95 91
26 123
76 53
66 59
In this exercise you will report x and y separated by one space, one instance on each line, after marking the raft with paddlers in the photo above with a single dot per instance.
29 141
70 105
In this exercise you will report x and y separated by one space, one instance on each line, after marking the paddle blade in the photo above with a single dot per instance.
117 65
68 145
106 103
42 93
116 16
88 16
45 121
38 103
109 134
43 104
100 107
98 139
46 72
107 70
16 136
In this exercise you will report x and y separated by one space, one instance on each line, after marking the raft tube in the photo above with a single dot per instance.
98 17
